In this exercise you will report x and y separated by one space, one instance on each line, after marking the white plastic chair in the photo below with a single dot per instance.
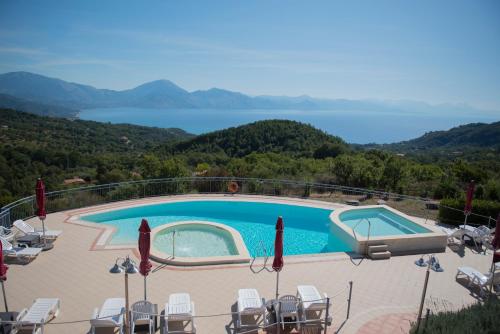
110 315
142 314
477 278
40 312
288 307
180 310
7 233
251 305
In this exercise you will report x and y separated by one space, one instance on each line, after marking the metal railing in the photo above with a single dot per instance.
75 198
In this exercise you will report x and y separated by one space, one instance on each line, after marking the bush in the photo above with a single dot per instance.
479 207
477 319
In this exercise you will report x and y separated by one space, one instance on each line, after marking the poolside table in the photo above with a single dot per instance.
29 239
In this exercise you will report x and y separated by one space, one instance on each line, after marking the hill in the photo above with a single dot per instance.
28 130
11 102
279 136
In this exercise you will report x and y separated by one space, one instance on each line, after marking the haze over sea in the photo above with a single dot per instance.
359 127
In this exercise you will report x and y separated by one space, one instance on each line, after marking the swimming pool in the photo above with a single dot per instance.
307 229
383 222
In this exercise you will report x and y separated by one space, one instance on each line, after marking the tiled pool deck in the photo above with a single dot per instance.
76 271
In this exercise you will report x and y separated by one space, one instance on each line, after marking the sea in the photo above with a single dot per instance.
360 127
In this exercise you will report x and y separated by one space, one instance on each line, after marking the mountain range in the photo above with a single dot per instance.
31 90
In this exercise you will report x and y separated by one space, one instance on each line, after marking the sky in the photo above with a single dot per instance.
444 51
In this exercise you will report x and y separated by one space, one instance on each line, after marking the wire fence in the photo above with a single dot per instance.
101 194
272 319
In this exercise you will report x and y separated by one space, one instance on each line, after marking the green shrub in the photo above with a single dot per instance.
456 217
478 319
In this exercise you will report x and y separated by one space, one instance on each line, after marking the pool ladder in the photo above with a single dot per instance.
375 252
264 266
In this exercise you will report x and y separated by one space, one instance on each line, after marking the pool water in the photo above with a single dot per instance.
306 228
195 240
383 222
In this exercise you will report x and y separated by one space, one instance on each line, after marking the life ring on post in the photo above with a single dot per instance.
232 187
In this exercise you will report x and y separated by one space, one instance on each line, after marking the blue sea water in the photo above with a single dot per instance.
353 126
306 229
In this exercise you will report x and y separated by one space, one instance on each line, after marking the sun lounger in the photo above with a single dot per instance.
25 254
312 304
454 233
288 307
179 311
250 305
7 233
142 314
40 312
26 228
477 278
110 315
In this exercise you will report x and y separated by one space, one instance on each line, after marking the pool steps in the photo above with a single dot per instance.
378 252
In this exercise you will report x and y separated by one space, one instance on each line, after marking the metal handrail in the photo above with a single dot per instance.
369 230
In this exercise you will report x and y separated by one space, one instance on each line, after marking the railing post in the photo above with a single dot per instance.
349 300
326 313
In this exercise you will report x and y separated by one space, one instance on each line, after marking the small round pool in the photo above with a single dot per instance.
194 240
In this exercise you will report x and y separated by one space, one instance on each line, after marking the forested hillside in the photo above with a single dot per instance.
56 149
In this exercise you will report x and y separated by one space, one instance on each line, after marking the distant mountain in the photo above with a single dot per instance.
279 136
11 102
165 94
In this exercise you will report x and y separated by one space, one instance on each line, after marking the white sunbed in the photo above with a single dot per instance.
142 314
25 254
477 278
311 302
26 228
41 311
7 233
110 315
250 304
454 233
180 310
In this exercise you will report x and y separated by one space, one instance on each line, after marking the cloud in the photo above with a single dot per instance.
24 51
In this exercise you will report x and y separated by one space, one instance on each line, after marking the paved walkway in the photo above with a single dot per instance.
77 274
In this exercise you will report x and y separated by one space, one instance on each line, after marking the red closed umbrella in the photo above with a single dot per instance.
278 251
3 276
468 200
496 241
40 204
144 247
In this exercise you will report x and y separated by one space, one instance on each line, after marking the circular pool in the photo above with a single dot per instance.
196 243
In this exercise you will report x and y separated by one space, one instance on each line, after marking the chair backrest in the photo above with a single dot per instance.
142 309
288 303
5 244
23 226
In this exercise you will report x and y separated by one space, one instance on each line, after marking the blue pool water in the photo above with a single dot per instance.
383 222
306 228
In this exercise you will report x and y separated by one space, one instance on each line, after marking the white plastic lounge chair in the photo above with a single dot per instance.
312 304
179 310
250 305
288 307
26 228
7 233
41 311
475 277
22 252
454 233
142 314
110 316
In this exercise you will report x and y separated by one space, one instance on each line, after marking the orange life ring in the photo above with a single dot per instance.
232 187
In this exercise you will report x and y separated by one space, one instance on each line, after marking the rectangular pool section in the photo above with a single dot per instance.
381 221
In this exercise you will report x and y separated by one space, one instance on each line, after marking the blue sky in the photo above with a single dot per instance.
433 51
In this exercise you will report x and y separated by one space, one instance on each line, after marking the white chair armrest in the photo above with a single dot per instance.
21 314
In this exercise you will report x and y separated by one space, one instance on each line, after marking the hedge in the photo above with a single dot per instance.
477 318
479 207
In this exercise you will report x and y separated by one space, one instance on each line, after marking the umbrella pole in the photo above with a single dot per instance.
43 229
5 298
277 282
145 288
